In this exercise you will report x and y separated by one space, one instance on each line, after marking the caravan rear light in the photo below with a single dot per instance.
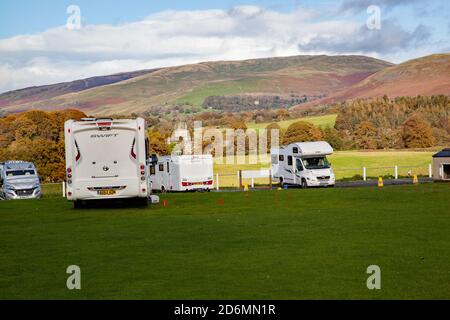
143 173
104 124
208 183
69 170
69 194
144 190
142 167
142 178
69 176
186 184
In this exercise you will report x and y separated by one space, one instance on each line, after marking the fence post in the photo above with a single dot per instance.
396 172
217 181
365 174
253 182
270 179
430 171
64 189
240 179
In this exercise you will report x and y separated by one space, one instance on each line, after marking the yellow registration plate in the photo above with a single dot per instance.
107 192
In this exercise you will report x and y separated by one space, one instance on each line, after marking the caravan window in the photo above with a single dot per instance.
281 157
168 168
161 167
152 170
295 150
289 160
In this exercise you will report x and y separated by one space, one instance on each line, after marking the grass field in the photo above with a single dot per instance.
320 121
294 244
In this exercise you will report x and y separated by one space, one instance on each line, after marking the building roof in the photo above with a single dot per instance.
443 154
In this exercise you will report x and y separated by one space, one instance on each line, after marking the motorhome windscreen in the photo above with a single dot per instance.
316 163
16 173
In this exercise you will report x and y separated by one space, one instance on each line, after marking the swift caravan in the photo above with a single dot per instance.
182 173
105 159
304 164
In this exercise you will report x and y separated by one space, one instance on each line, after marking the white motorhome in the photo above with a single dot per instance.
182 173
304 164
106 159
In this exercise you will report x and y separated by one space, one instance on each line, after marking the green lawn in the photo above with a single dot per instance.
294 244
320 121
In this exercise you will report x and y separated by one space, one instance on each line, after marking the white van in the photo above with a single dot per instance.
304 164
19 180
182 173
105 159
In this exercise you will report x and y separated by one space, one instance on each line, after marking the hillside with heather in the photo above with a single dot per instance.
298 78
39 93
425 76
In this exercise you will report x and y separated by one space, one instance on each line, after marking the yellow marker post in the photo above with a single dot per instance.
246 187
415 179
380 182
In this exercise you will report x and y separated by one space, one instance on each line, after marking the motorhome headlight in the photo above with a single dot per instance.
9 187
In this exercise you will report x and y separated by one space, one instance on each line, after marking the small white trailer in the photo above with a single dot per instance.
182 173
304 164
106 159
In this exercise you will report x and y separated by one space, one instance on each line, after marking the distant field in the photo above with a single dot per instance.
319 121
290 244
198 95
346 165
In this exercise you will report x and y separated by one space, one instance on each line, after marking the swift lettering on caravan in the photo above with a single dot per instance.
304 164
182 173
105 159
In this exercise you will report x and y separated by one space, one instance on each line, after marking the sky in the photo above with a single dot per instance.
51 41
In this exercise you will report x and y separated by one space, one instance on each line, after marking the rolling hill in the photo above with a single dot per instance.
313 76
35 94
426 76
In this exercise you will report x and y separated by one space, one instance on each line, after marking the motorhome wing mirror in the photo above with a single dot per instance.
153 160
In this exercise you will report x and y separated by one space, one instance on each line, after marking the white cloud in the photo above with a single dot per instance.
165 39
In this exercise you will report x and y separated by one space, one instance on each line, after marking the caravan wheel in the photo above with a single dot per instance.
304 184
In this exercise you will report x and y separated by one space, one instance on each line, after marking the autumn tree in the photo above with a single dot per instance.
417 133
365 136
332 136
301 131
158 143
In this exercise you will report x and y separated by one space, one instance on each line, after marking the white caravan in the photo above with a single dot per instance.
182 173
304 164
106 159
